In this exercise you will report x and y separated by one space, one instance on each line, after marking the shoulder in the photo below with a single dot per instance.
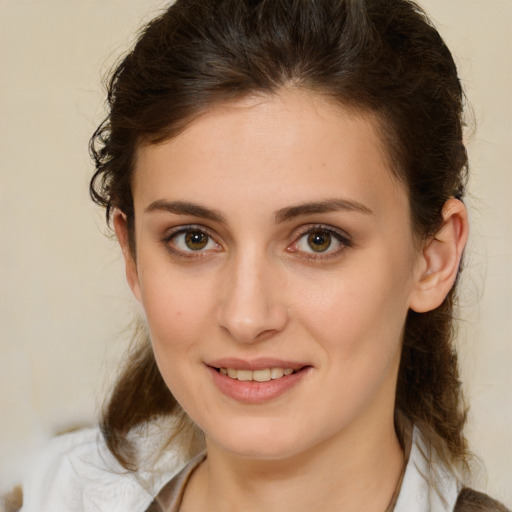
77 472
470 500
429 484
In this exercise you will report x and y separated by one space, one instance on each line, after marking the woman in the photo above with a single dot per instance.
285 179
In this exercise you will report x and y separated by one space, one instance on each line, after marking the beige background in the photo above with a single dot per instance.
64 307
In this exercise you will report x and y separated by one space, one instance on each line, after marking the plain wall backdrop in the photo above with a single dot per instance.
64 307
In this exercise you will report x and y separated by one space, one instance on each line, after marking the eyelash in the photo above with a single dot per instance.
341 238
183 230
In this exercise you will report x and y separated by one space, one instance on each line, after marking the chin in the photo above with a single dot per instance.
261 450
259 440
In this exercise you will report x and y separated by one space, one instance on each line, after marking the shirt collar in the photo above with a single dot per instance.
428 485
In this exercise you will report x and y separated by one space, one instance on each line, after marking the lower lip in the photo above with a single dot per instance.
252 392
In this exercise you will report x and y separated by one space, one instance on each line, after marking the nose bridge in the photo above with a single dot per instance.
251 305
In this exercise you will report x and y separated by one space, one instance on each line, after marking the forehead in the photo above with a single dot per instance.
293 146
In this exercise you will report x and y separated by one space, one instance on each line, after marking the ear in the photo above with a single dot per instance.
440 259
121 229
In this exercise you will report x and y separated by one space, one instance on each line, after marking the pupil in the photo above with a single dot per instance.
196 240
319 241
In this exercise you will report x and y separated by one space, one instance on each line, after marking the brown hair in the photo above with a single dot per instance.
382 56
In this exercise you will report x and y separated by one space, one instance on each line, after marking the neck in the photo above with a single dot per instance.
354 471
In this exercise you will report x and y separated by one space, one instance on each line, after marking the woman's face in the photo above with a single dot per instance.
271 236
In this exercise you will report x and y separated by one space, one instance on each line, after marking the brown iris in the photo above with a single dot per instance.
196 240
319 241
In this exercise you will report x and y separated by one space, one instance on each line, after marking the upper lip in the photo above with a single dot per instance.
260 363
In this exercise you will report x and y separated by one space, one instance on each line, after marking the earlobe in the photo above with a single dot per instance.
440 259
121 230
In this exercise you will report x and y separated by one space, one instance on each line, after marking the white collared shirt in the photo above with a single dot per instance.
78 473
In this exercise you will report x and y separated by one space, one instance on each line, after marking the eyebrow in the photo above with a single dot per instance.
330 205
282 215
185 208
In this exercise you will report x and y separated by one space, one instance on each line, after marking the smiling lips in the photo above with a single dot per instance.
256 382
263 375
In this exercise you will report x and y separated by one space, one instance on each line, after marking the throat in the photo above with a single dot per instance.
293 485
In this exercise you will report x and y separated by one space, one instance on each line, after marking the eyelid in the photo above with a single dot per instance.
178 230
341 236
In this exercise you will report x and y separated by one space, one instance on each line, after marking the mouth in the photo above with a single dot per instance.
257 381
262 375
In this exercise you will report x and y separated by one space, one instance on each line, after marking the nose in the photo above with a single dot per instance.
252 306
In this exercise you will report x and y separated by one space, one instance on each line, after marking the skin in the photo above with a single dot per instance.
258 288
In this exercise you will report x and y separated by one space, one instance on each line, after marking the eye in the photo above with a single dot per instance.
196 240
190 240
319 241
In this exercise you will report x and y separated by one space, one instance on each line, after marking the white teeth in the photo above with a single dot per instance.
276 373
244 375
261 375
257 375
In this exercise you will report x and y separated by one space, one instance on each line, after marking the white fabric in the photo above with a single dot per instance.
77 473
428 486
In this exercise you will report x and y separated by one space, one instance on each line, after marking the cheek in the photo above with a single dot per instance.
357 320
178 314
360 309
177 307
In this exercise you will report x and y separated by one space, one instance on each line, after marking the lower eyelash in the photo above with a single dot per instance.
312 256
166 241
